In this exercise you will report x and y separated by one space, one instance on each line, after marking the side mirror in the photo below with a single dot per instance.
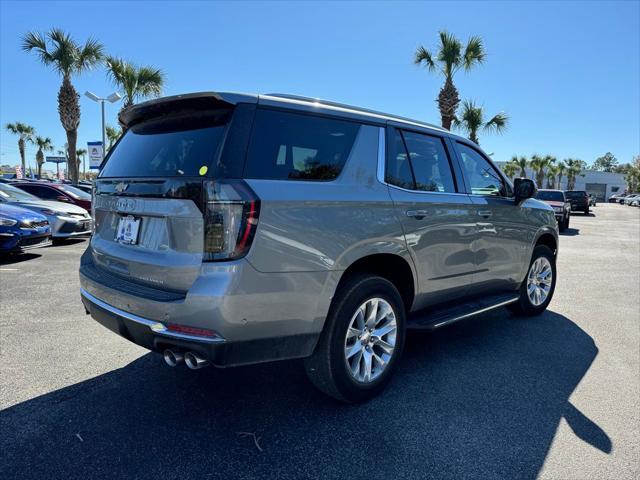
524 188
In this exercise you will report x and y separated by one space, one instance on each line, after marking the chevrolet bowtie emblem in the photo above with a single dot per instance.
121 187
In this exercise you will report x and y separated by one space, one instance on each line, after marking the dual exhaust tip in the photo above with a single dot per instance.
193 360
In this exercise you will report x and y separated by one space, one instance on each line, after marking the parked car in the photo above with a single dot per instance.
86 187
22 229
622 198
235 229
628 200
66 220
59 192
579 200
615 197
561 206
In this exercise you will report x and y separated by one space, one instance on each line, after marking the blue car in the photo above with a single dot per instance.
22 229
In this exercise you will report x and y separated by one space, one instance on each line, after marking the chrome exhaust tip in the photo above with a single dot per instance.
173 358
195 361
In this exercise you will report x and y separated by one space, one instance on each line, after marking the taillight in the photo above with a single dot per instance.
230 219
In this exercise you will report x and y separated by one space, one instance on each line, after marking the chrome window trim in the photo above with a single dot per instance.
156 327
382 155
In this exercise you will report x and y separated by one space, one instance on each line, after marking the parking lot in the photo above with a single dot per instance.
556 396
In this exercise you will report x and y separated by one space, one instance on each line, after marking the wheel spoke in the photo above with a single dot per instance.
388 327
355 348
386 347
353 332
372 312
367 358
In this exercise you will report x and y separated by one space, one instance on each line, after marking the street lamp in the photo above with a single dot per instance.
114 97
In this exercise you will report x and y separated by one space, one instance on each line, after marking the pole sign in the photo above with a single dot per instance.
56 159
96 154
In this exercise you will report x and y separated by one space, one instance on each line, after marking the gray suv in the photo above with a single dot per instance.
234 229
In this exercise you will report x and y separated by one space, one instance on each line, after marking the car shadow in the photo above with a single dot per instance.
570 232
10 259
59 242
480 399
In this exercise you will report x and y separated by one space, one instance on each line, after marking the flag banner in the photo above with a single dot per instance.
18 171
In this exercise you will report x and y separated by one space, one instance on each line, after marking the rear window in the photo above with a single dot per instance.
75 192
169 147
298 147
576 194
550 196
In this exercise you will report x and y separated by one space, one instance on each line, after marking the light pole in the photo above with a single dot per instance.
114 97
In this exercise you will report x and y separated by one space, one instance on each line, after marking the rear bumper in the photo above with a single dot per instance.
258 316
156 337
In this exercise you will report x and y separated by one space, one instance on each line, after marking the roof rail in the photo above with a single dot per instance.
351 107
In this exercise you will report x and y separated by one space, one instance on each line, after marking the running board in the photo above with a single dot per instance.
433 318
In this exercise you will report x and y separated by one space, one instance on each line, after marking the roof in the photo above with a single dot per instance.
133 113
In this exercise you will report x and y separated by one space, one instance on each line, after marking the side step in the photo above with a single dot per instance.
436 317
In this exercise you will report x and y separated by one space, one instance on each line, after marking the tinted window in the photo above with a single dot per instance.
167 148
45 193
398 170
483 178
550 195
576 194
300 147
9 193
430 163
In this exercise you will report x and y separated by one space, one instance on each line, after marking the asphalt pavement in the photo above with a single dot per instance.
556 396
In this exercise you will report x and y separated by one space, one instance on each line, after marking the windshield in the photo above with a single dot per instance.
75 192
167 148
550 195
13 194
576 194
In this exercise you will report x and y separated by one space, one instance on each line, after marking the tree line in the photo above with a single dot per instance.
58 50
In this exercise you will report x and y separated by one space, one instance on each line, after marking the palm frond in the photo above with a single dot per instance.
424 56
498 123
150 81
474 52
35 41
450 53
89 55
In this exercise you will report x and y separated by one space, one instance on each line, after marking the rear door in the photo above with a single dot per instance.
149 223
504 232
437 219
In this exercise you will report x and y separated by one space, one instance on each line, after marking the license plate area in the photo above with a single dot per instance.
128 229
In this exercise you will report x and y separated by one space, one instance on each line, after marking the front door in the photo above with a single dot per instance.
438 221
504 233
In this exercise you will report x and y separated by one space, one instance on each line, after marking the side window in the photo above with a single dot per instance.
398 169
484 179
294 146
42 192
430 163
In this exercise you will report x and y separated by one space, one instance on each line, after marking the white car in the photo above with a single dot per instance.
632 199
66 220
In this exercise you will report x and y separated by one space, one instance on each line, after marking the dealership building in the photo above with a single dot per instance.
600 184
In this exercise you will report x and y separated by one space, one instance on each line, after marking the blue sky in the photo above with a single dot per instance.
567 73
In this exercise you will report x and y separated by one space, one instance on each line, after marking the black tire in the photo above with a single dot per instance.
524 306
586 211
562 225
327 368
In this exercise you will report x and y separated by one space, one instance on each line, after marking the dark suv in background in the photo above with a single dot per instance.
235 229
579 200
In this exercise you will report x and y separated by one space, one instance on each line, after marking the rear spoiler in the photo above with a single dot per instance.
183 103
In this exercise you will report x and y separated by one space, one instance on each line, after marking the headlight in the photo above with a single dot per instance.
557 209
7 222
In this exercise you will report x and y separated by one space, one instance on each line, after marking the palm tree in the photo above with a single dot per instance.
552 171
510 169
136 82
472 120
25 133
560 169
574 167
539 165
113 134
522 164
58 50
81 152
44 144
450 57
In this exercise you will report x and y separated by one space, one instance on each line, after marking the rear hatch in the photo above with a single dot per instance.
150 198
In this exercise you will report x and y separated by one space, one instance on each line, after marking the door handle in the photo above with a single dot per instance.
417 214
485 213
